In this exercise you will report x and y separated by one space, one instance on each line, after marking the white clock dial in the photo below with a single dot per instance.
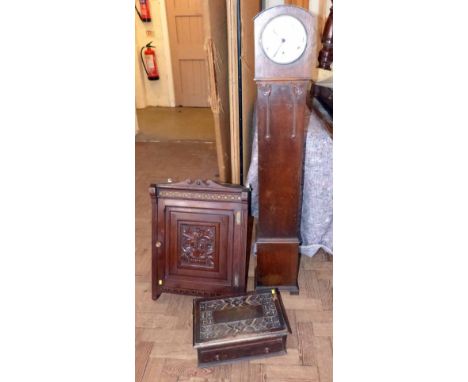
284 39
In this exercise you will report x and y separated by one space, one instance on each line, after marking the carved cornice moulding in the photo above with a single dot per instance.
200 189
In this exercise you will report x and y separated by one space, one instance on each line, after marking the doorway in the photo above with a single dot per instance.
199 39
190 101
185 20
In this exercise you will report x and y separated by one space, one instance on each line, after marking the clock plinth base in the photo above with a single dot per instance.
292 289
277 264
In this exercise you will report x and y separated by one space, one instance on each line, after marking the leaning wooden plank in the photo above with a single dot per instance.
217 60
233 89
248 10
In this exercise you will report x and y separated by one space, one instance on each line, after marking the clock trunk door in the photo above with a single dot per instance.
198 254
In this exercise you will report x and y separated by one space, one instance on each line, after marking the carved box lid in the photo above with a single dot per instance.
240 318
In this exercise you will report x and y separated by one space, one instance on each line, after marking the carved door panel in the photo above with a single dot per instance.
197 246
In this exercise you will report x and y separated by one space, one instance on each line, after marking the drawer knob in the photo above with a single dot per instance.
158 244
267 350
217 357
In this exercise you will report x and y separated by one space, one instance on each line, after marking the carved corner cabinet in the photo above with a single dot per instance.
199 238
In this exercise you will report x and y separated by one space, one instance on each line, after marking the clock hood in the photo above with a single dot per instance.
300 69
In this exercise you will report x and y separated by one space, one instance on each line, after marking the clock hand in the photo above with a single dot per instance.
277 35
279 47
277 50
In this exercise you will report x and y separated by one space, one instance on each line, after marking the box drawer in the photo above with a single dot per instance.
242 351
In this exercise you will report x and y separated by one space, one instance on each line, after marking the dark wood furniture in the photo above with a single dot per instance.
324 95
325 57
242 327
281 117
199 236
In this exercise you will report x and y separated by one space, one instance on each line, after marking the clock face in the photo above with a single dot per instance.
284 39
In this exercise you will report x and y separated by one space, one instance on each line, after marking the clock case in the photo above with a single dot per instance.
282 116
199 238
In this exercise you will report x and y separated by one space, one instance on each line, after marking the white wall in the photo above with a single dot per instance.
161 92
321 9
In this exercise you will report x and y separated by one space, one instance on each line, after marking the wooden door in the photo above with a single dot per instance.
196 251
185 20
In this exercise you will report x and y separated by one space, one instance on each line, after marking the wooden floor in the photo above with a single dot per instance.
164 349
175 123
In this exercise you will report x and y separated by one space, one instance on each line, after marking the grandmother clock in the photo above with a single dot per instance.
284 49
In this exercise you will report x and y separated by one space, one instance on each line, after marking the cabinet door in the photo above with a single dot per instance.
198 248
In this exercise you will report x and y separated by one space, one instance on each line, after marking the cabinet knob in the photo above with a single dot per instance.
267 350
217 357
158 244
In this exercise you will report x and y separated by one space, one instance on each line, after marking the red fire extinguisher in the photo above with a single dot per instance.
149 62
144 12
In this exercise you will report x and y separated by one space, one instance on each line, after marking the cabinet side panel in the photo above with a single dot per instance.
156 292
